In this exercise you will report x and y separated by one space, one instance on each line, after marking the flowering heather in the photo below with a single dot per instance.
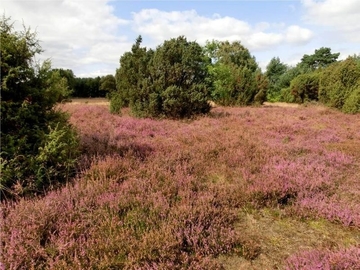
165 194
325 259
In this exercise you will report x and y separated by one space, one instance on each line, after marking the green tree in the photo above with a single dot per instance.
30 161
133 68
107 84
68 74
274 70
284 83
88 87
169 82
320 59
233 74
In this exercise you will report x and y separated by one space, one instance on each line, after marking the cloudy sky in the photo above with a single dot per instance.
89 36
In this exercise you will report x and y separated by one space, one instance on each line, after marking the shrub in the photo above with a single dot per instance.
324 259
338 82
38 145
352 103
169 82
116 103
305 87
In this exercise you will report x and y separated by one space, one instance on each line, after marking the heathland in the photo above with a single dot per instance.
240 188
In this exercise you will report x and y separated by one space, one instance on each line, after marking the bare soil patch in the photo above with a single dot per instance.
281 104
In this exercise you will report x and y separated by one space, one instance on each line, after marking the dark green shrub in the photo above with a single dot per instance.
274 70
286 95
116 103
38 146
352 103
305 87
338 82
168 82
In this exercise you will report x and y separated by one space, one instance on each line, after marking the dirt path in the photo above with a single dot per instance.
281 104
104 101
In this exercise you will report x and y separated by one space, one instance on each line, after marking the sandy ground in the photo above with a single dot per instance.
90 101
104 101
281 104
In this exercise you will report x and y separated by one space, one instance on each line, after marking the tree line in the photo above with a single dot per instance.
179 77
165 81
319 77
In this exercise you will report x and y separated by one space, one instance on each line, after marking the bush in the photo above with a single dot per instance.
38 146
169 82
305 87
338 85
116 103
352 103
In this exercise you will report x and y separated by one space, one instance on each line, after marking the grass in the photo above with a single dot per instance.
241 188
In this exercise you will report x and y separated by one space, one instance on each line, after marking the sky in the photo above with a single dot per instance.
90 36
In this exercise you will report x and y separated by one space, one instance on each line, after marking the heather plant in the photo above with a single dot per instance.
325 259
166 194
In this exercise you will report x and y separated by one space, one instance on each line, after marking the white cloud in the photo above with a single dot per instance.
74 34
342 15
297 35
87 36
161 25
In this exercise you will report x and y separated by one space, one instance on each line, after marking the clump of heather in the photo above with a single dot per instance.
325 259
165 194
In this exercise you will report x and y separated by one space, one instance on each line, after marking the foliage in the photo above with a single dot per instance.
167 82
68 74
301 83
320 59
352 103
108 84
30 123
233 73
116 102
285 82
305 87
339 84
133 68
88 87
274 70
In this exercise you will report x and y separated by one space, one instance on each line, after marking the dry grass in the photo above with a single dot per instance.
89 101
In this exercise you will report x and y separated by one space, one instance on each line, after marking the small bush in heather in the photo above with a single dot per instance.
116 103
